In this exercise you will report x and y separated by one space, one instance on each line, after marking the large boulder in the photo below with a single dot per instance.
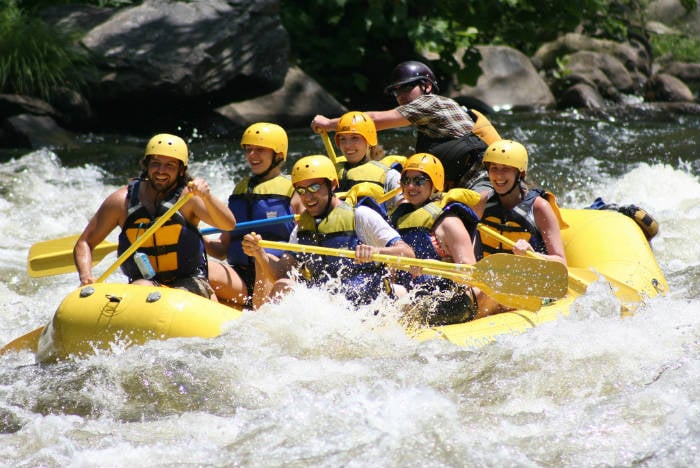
162 61
508 80
618 72
632 55
664 87
689 73
290 106
604 72
30 122
672 12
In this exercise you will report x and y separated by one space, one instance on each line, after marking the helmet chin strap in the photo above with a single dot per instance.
329 207
273 164
516 184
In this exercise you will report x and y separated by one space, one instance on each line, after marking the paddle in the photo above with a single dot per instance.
329 146
517 301
55 257
30 340
503 273
626 293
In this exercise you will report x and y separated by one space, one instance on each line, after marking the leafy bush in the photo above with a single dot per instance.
350 46
36 58
678 47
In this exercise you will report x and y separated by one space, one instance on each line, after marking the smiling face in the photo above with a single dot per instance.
163 172
354 146
259 158
314 202
502 177
413 192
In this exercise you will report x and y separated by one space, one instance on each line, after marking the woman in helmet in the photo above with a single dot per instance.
356 135
438 226
265 194
176 250
528 216
329 222
456 135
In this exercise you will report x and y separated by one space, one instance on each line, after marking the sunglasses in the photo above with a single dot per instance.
403 89
418 181
313 188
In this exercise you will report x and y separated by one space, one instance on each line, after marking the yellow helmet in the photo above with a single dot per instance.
507 152
357 122
166 144
428 165
314 167
267 135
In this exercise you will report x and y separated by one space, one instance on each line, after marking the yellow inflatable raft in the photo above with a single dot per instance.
97 315
597 243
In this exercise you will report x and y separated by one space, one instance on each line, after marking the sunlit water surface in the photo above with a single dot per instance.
313 382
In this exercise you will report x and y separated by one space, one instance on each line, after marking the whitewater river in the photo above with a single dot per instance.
311 382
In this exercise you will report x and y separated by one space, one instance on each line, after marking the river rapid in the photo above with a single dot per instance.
313 382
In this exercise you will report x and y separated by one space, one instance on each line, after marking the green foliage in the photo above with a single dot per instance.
350 46
35 58
562 70
689 5
678 47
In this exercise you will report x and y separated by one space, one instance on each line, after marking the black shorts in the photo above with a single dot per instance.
247 274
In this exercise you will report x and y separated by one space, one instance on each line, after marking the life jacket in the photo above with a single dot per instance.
515 224
394 161
371 171
251 201
361 282
483 128
176 250
415 225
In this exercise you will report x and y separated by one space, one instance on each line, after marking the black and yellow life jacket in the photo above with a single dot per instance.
515 224
176 250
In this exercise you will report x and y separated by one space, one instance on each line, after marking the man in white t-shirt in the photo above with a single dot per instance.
329 222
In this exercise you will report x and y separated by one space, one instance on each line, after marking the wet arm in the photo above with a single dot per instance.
455 237
208 208
548 225
108 216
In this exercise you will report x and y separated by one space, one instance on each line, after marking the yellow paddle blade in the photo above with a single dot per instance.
579 278
531 303
510 274
28 341
55 257
522 276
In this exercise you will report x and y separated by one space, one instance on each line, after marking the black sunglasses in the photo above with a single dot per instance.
406 88
418 181
313 188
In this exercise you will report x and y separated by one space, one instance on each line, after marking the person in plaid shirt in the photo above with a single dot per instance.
456 135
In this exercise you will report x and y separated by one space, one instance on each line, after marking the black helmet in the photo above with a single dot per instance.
407 72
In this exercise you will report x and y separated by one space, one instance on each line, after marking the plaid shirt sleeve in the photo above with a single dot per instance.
437 116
